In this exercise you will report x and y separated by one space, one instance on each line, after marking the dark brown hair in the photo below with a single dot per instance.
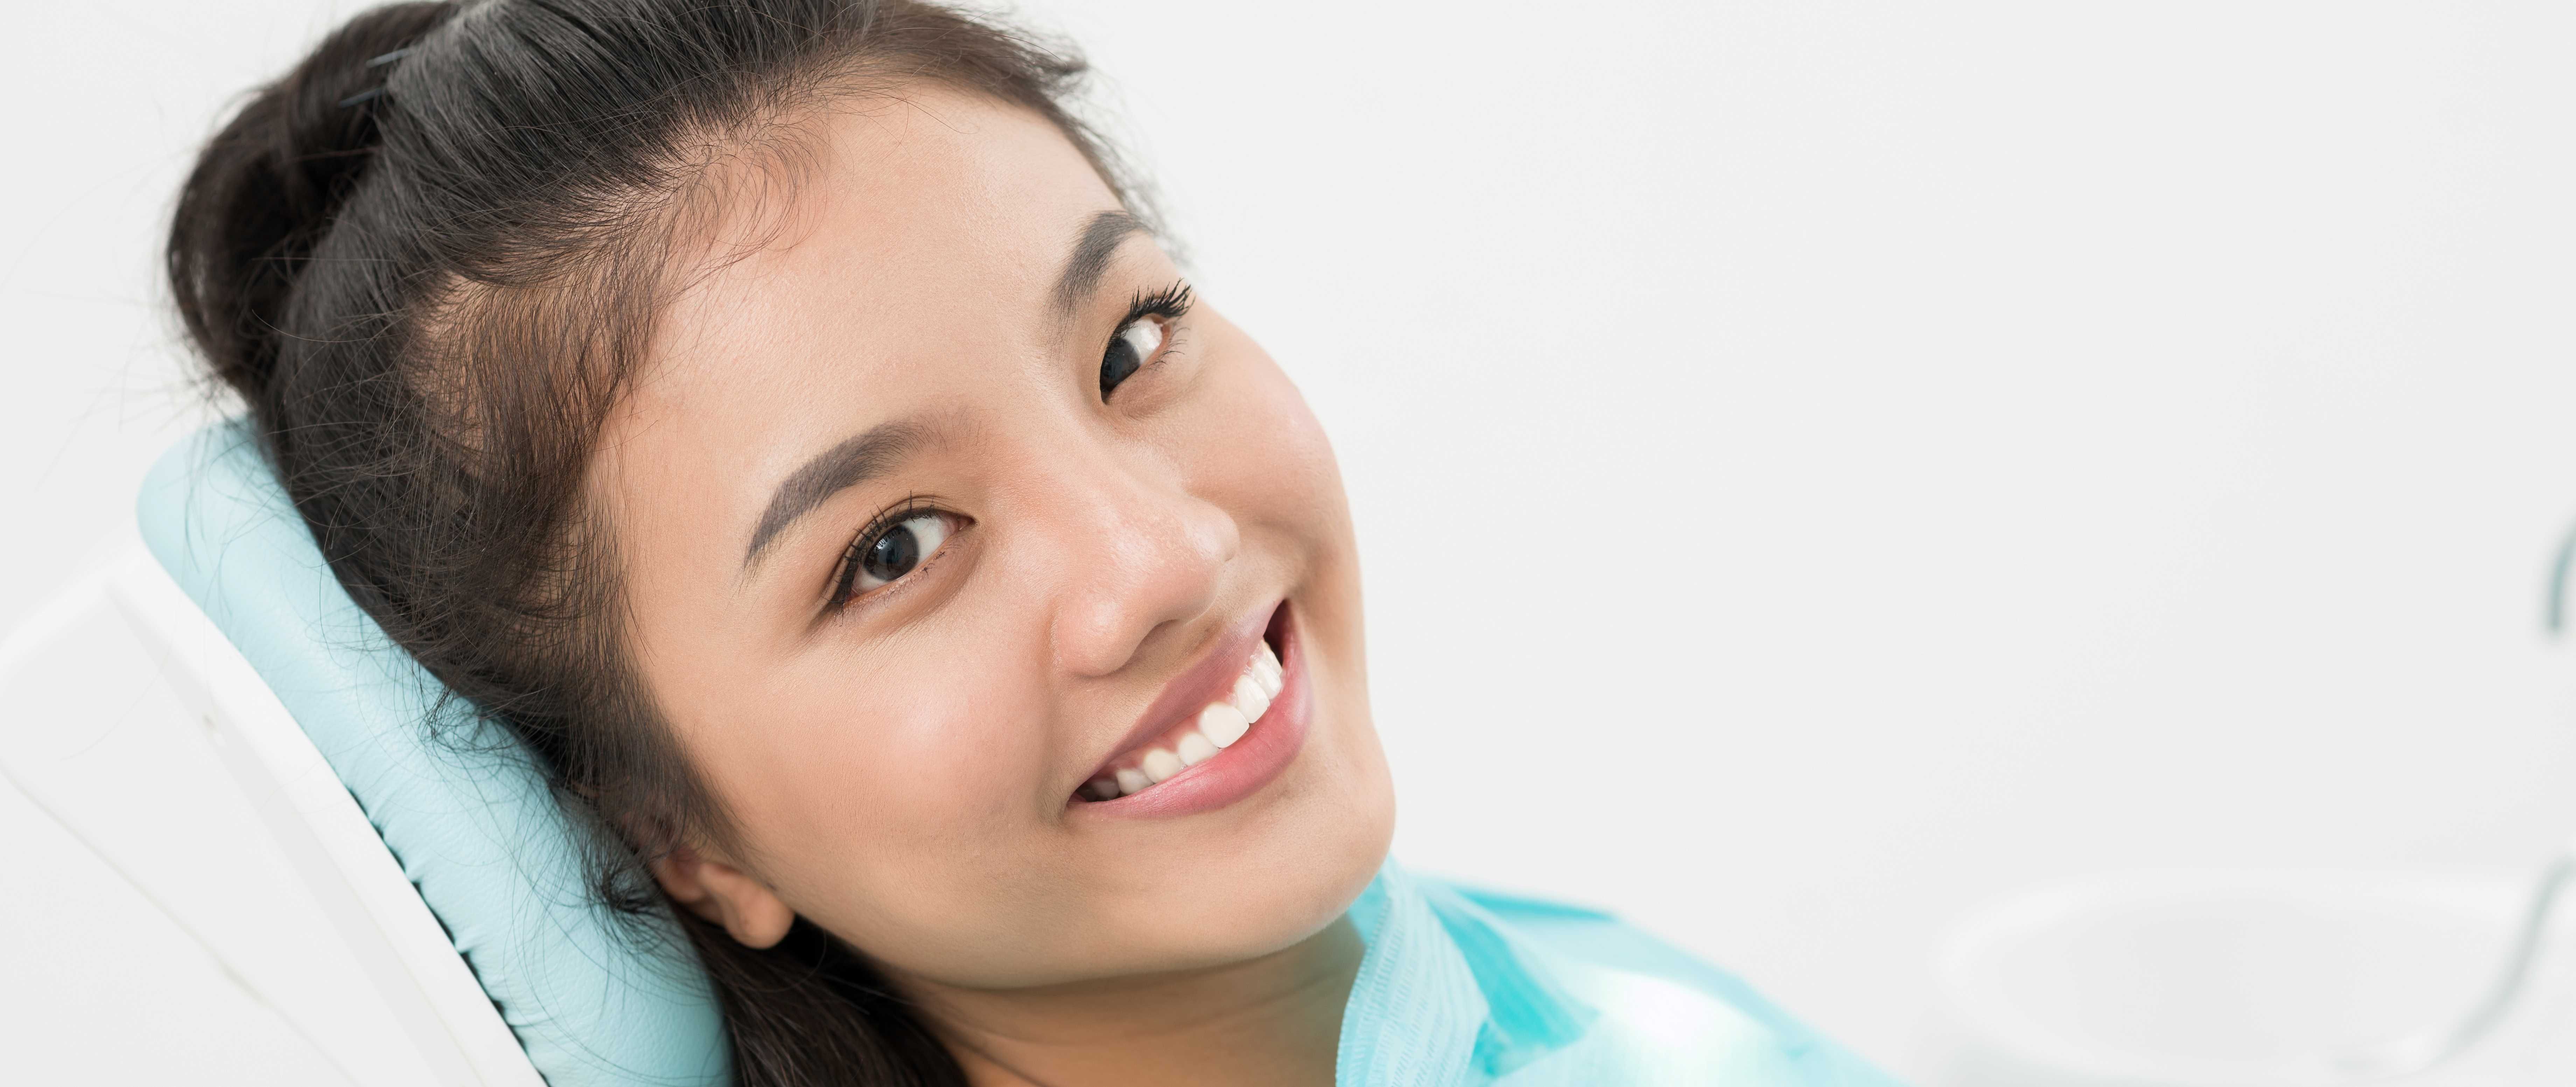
429 258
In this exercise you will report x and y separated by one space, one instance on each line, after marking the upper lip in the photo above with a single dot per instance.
1209 679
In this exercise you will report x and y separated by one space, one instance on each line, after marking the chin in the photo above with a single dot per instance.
1301 878
1251 898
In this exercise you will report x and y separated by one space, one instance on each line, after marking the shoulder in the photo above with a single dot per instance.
1601 941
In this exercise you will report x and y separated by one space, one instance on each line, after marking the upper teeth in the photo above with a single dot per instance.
1218 726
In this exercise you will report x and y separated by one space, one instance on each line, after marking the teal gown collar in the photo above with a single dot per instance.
1452 994
1445 995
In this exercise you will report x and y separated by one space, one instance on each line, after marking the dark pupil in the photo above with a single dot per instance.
893 555
1116 363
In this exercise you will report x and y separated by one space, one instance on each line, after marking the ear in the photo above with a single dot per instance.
724 894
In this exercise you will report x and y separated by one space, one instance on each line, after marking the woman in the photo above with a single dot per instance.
780 415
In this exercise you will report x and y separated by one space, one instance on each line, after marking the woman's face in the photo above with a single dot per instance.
940 514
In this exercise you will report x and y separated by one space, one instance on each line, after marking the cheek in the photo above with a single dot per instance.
840 772
1263 453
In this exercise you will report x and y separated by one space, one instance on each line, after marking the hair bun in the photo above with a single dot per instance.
267 187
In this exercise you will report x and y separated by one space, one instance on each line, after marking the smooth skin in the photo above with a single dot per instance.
900 770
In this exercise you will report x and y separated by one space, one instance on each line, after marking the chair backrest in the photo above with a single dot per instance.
427 835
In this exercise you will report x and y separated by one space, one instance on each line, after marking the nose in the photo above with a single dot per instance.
1142 556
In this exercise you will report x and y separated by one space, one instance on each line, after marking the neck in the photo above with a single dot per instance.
1273 1021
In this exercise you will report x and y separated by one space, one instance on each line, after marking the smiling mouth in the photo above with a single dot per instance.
1217 726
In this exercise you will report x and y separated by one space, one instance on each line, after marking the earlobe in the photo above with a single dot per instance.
726 895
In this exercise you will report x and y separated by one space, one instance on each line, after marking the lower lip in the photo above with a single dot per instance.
1238 771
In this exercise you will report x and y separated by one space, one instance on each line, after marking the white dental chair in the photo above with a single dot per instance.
413 907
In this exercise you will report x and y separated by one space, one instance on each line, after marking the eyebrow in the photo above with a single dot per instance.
1090 260
857 460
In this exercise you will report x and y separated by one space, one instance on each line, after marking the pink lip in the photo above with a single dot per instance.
1237 771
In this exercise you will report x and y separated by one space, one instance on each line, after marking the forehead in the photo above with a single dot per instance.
905 252
886 210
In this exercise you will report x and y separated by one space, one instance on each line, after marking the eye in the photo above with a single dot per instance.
1147 330
1129 349
892 552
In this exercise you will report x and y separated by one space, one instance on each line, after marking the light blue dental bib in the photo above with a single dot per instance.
1463 988
1458 988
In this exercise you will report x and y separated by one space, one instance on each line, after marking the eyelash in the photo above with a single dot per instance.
1169 303
846 576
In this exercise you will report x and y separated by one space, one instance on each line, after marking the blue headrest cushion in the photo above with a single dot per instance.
455 799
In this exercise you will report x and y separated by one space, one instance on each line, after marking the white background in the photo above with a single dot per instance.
1820 466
